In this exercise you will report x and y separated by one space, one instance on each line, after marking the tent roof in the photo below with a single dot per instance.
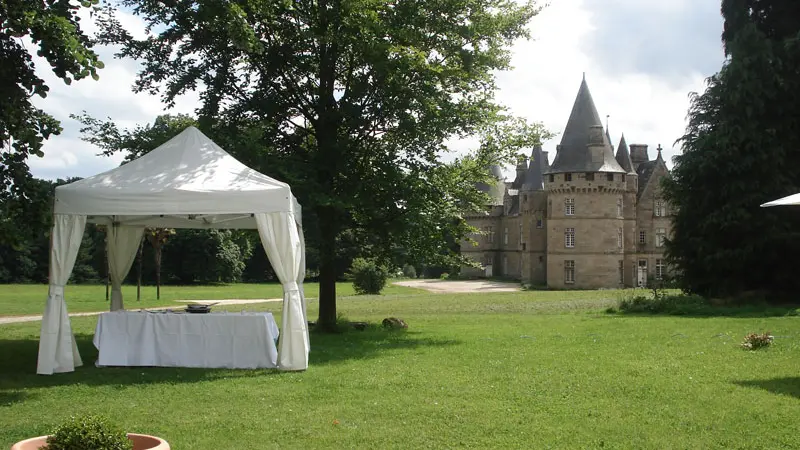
189 181
793 199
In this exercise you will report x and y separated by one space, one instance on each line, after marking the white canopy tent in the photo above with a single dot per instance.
790 200
188 182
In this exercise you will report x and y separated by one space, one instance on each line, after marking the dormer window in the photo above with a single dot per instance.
610 176
552 178
567 177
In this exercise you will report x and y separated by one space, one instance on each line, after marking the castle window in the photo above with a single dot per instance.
661 236
539 222
505 236
619 207
520 232
569 272
569 207
610 176
643 237
659 269
490 234
660 211
619 238
523 246
589 177
525 198
567 177
621 270
569 237
552 178
541 259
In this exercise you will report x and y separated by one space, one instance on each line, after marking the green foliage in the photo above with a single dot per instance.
351 102
203 256
738 150
54 29
755 341
409 271
368 276
88 432
663 304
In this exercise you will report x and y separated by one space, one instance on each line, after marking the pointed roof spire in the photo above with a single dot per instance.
624 156
573 152
659 153
534 178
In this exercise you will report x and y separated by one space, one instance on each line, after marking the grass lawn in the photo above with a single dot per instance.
504 370
23 299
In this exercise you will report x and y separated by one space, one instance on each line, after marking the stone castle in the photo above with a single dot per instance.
590 220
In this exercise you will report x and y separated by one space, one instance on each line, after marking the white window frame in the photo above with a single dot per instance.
661 236
660 269
569 207
660 210
569 272
619 238
619 207
569 237
505 236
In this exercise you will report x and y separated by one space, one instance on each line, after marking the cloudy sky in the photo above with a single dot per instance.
641 58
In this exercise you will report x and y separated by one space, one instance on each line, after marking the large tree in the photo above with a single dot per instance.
357 97
53 27
740 150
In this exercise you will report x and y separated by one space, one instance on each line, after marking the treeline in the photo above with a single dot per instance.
189 256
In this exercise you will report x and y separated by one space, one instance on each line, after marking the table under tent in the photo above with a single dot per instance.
188 182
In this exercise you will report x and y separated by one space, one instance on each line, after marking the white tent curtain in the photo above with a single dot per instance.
123 243
57 349
281 241
301 277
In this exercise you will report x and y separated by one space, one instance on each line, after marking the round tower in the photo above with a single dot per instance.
585 212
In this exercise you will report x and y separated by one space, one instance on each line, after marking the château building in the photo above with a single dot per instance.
589 220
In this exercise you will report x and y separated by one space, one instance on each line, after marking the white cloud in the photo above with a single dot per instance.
649 108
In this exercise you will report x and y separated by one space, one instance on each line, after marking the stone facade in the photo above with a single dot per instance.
590 220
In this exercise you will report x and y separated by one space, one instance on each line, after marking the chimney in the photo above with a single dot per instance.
639 154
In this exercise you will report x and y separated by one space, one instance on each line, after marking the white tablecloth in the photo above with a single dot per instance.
214 340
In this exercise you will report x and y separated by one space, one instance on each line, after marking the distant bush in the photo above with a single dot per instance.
444 276
409 271
754 341
664 304
88 432
368 276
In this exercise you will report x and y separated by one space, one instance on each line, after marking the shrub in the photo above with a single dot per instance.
88 432
755 341
444 276
664 304
368 276
409 271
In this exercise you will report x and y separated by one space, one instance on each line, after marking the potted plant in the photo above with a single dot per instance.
91 433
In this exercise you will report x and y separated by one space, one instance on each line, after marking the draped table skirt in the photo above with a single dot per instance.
214 340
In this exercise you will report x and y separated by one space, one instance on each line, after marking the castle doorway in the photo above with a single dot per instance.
642 277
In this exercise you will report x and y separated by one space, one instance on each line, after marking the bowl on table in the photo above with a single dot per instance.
198 308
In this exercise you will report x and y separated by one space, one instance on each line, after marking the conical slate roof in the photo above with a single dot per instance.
573 153
496 190
522 167
624 156
534 179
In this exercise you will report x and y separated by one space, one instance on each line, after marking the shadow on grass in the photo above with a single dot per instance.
783 386
18 369
710 312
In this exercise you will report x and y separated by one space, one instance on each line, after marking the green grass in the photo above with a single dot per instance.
23 299
505 370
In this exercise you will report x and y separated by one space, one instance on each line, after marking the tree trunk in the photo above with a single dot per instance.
139 271
327 274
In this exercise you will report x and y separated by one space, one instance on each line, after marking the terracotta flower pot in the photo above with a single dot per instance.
140 442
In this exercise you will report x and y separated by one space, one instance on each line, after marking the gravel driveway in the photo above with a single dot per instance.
461 287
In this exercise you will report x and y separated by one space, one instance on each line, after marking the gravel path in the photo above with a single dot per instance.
235 301
461 287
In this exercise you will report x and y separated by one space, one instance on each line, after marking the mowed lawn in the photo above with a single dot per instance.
504 370
25 299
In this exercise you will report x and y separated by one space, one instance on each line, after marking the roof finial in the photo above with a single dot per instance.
659 151
584 76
